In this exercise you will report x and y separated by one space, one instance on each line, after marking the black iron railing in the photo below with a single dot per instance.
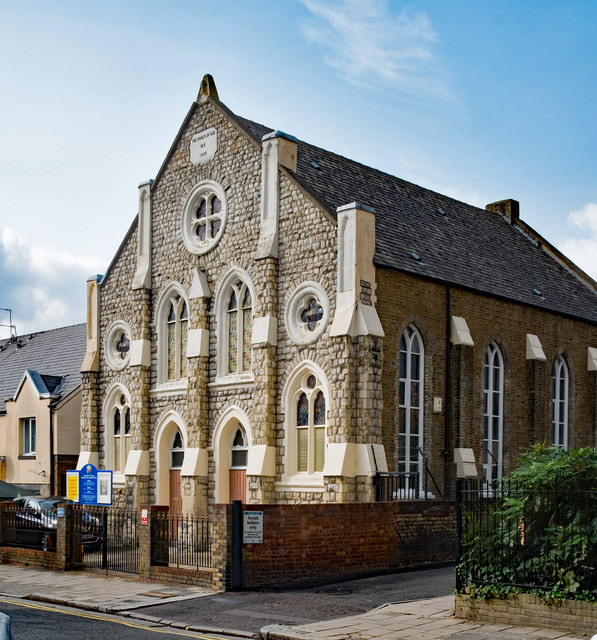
180 541
528 539
105 538
30 528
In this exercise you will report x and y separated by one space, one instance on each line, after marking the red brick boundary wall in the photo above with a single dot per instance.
316 542
574 616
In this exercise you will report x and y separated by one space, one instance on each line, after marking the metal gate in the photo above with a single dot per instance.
105 538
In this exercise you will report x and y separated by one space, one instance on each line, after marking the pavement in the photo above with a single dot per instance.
423 619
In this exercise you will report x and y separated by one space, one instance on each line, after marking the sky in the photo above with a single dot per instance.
479 100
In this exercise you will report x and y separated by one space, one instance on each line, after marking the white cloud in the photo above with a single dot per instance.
373 46
583 250
44 289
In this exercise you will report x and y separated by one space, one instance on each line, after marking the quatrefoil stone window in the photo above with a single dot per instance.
204 217
118 345
307 313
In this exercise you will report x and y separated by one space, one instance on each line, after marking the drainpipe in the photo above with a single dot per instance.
52 472
448 402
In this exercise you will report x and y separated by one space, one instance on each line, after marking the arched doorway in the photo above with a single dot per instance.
238 465
232 440
169 445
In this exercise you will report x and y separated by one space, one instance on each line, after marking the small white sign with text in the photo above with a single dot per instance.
204 146
253 527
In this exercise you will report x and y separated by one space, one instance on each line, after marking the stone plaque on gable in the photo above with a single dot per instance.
204 146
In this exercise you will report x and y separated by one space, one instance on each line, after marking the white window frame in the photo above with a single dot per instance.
491 417
411 335
244 447
173 294
230 280
296 385
28 437
559 402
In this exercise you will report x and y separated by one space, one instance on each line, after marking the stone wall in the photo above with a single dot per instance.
571 616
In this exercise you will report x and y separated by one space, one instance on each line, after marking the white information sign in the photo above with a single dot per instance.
204 146
253 527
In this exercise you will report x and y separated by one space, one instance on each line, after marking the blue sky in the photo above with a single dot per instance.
479 100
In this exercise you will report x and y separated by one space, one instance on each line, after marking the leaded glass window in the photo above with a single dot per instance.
311 423
177 325
410 406
493 401
559 403
121 432
240 325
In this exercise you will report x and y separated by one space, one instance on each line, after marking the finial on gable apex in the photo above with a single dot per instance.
207 88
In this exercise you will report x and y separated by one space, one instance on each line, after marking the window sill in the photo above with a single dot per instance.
170 388
301 482
235 380
27 456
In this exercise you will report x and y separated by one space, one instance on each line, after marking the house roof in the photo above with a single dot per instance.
50 359
457 243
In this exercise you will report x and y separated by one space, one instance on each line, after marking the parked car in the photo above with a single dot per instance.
36 523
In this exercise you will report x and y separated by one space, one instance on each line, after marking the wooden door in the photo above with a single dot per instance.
238 485
175 502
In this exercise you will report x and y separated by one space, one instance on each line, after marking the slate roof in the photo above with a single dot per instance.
467 247
53 359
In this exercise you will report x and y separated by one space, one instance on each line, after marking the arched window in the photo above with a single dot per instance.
559 403
178 330
176 451
238 449
173 330
493 413
239 319
410 406
120 431
310 422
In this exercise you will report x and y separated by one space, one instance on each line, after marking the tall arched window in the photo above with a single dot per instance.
310 420
493 413
239 319
559 403
178 330
119 429
410 406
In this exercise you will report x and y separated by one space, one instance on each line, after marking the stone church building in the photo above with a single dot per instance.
281 323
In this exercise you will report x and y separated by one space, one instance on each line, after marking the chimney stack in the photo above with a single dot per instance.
509 209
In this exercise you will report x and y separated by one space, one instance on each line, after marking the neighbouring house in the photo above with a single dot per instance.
281 324
40 406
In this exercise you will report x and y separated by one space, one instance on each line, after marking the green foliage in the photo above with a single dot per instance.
537 530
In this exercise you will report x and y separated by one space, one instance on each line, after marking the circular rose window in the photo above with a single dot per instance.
307 313
204 217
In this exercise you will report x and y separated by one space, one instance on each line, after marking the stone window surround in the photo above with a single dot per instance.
492 350
291 479
113 357
172 290
221 316
297 302
203 190
112 397
559 371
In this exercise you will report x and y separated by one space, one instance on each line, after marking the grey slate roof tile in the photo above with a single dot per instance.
55 355
468 247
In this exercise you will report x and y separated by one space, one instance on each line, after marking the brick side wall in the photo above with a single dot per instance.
573 616
314 543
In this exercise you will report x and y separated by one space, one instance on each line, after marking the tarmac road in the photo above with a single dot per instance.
250 611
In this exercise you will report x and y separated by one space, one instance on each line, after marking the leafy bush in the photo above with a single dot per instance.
535 531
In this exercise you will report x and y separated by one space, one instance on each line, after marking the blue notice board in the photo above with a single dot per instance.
95 487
